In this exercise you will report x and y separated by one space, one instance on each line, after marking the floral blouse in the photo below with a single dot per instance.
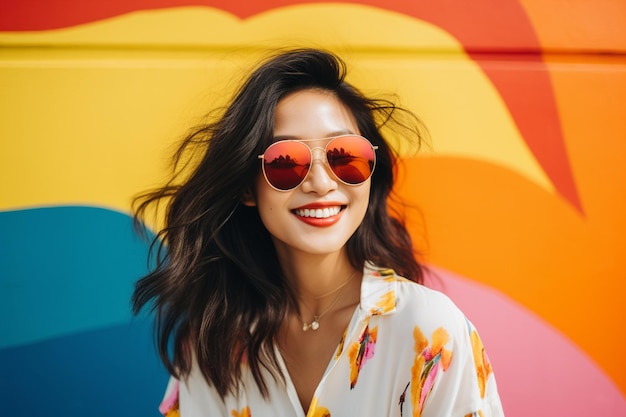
408 351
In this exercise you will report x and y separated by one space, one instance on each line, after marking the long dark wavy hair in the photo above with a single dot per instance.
217 290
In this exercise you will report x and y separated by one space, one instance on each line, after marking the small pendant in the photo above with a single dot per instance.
315 324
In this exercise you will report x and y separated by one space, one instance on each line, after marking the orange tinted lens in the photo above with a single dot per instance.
351 158
286 164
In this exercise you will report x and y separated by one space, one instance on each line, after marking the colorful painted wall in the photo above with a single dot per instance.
522 190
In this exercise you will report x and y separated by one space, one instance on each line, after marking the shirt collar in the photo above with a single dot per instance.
378 290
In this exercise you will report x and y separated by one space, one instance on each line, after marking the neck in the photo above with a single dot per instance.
317 315
323 284
316 279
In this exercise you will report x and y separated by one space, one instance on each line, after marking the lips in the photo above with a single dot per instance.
320 215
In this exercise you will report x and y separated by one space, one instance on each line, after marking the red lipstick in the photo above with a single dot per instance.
320 214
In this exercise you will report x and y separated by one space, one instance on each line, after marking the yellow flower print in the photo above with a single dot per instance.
421 343
386 303
316 410
360 352
341 343
426 365
245 412
388 274
483 366
440 338
385 273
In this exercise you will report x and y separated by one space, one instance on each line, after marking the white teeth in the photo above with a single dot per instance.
319 213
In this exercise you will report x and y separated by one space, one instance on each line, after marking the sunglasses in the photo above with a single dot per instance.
287 163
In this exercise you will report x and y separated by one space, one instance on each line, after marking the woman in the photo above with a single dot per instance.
281 291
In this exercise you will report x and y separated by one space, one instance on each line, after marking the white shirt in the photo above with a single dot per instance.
408 351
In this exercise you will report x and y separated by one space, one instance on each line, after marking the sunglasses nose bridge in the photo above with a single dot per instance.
318 155
320 177
321 153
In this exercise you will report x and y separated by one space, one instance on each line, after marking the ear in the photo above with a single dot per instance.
248 198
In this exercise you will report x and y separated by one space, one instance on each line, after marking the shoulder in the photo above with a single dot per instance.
415 304
407 294
417 297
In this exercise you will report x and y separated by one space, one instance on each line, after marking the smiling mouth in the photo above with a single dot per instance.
319 213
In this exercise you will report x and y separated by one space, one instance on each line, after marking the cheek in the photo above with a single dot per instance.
269 201
362 201
365 193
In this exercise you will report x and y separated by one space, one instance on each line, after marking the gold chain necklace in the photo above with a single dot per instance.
315 324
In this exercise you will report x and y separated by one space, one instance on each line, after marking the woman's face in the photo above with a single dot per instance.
305 115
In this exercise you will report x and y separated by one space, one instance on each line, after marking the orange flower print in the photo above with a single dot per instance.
386 303
360 352
317 410
426 365
387 274
245 412
174 412
341 343
169 407
440 338
483 366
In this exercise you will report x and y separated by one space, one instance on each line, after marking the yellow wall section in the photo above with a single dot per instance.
90 111
329 24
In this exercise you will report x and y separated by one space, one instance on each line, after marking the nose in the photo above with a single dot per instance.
320 179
